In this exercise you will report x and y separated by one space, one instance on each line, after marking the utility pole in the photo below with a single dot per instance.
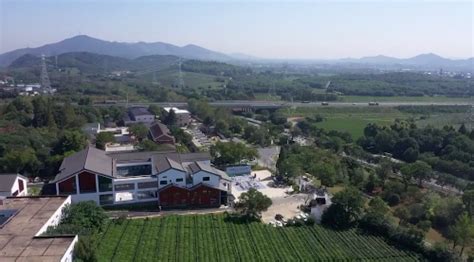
45 83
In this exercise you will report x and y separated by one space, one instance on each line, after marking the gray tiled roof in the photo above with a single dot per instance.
91 159
139 111
100 162
158 129
6 182
163 163
198 166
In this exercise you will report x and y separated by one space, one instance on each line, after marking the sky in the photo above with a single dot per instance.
318 29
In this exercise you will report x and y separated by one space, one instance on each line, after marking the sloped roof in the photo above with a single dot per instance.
7 181
198 166
158 130
139 111
163 163
91 159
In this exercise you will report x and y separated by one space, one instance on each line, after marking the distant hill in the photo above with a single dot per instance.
95 63
424 60
83 43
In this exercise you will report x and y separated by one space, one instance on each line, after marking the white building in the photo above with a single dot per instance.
133 177
183 117
13 185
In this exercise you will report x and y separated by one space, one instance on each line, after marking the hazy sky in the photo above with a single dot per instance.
270 29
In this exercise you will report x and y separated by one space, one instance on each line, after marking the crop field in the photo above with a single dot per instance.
212 238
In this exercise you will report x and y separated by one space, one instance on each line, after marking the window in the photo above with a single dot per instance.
206 178
163 182
124 187
87 183
179 180
68 186
142 185
105 184
146 194
106 199
138 170
20 185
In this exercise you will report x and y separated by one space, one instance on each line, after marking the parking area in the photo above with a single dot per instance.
283 203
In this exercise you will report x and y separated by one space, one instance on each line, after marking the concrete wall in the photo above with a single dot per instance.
214 180
68 255
170 176
55 218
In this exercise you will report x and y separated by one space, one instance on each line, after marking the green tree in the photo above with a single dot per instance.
71 140
346 208
85 249
170 119
384 171
252 203
86 215
140 131
21 160
377 207
468 200
419 170
462 129
148 145
104 138
462 232
232 153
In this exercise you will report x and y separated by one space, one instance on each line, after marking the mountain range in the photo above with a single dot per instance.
84 43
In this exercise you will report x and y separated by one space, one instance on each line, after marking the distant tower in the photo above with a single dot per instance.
45 84
470 117
154 81
180 75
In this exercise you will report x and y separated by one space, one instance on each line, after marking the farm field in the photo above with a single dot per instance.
212 238
434 99
354 120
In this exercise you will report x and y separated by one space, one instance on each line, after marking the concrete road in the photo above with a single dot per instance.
281 104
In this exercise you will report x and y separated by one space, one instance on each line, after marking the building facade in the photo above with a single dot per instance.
183 117
13 185
134 177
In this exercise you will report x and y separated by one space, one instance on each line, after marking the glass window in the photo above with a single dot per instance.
206 178
179 180
153 184
105 184
124 187
163 182
146 194
138 170
106 199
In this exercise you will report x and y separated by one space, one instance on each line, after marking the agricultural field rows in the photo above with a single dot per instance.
212 238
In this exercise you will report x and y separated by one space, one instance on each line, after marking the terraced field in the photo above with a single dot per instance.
212 238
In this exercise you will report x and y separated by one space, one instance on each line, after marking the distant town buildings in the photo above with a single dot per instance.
183 117
138 115
160 134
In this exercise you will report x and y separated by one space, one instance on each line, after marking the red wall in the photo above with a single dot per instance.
68 186
200 196
87 182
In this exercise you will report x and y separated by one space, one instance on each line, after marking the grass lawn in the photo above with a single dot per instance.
213 238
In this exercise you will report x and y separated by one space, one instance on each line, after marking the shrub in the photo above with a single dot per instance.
393 199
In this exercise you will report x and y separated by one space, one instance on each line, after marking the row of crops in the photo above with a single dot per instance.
211 238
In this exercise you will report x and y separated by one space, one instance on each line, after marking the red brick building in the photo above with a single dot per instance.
200 195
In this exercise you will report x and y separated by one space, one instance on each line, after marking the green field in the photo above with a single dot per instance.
354 119
433 99
212 238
